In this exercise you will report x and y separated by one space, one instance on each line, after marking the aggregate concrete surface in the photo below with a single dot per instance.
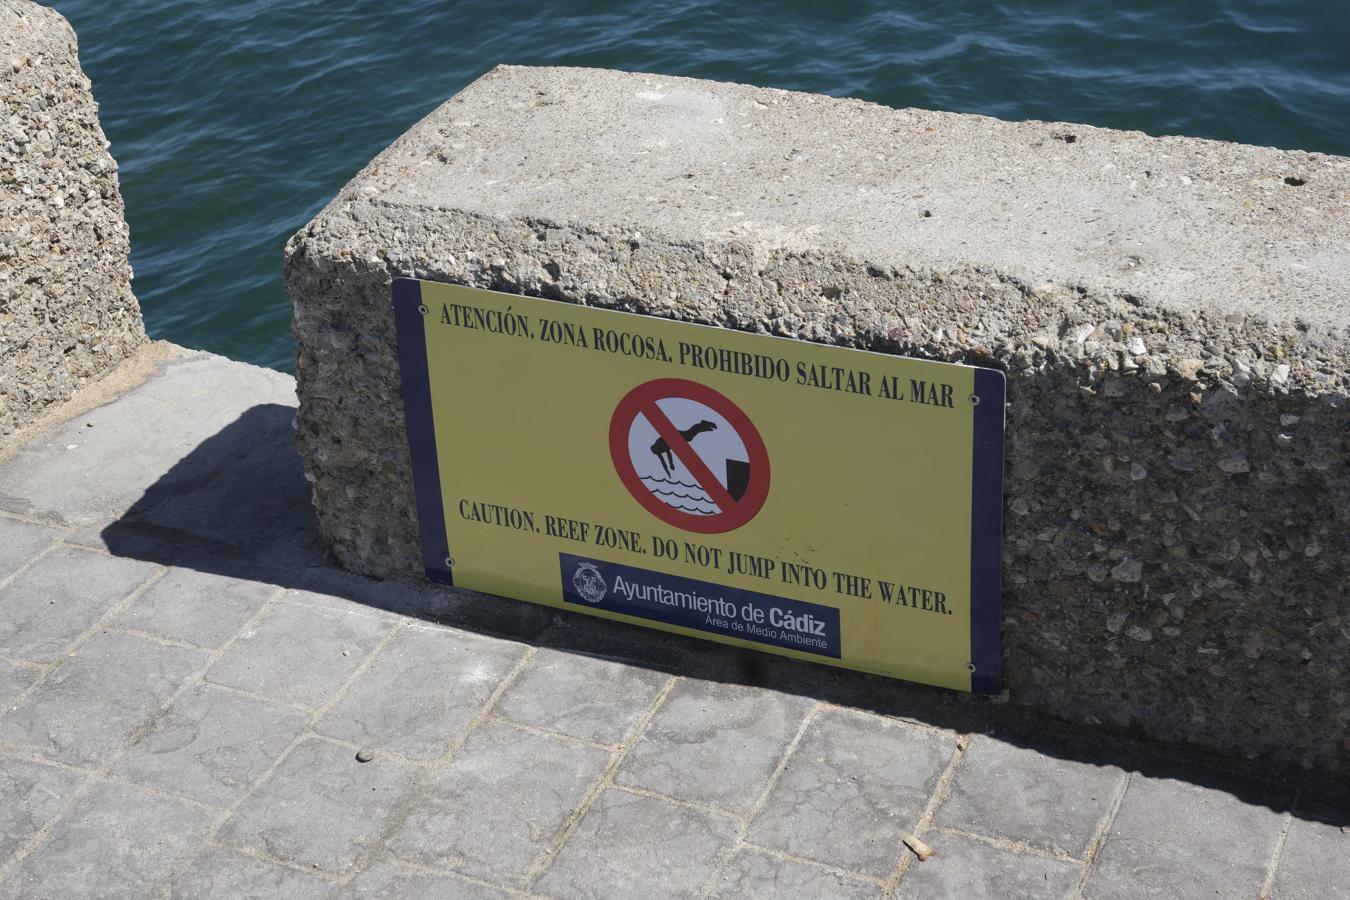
187 689
1170 313
67 314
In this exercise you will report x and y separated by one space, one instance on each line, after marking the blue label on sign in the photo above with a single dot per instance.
715 608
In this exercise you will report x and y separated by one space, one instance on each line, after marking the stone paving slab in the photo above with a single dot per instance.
1316 855
755 874
198 608
629 845
212 745
1176 840
421 692
220 874
592 699
318 808
186 723
1019 795
499 804
975 870
21 542
90 704
115 842
854 787
31 795
714 744
56 599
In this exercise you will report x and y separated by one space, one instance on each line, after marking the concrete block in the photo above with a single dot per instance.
853 787
1170 314
299 654
226 875
69 315
632 846
1021 795
320 807
499 804
421 691
593 699
117 840
31 794
753 875
94 701
211 745
714 743
968 868
1178 840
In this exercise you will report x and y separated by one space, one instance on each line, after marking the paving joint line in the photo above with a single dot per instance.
499 719
55 524
19 663
711 809
270 701
114 778
807 861
30 754
254 853
546 858
1277 856
1022 848
1102 834
352 608
397 862
914 724
935 800
160 639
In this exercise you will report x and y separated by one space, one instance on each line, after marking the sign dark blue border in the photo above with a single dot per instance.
986 531
409 314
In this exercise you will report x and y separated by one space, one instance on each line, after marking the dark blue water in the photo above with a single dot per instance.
235 121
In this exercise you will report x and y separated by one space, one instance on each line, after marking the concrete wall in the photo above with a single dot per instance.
1171 314
67 314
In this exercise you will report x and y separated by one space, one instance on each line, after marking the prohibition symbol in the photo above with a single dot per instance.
689 455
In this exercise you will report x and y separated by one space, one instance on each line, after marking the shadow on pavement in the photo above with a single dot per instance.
239 505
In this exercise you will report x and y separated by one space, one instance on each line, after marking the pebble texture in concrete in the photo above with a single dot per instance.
68 314
1170 313
153 755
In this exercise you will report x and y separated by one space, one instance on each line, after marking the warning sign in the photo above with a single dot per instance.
828 504
689 455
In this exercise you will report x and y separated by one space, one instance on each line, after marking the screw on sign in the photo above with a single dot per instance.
689 455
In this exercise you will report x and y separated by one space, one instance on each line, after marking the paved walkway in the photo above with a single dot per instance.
187 692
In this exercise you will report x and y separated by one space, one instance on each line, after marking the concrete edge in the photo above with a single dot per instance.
149 360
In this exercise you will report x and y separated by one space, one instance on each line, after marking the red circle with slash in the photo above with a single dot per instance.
713 505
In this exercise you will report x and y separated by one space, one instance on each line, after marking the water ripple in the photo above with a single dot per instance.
234 122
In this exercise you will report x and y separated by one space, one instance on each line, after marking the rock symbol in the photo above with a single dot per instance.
662 450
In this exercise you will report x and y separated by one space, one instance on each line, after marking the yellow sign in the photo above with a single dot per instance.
823 503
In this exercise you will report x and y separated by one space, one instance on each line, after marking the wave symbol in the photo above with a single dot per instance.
695 500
